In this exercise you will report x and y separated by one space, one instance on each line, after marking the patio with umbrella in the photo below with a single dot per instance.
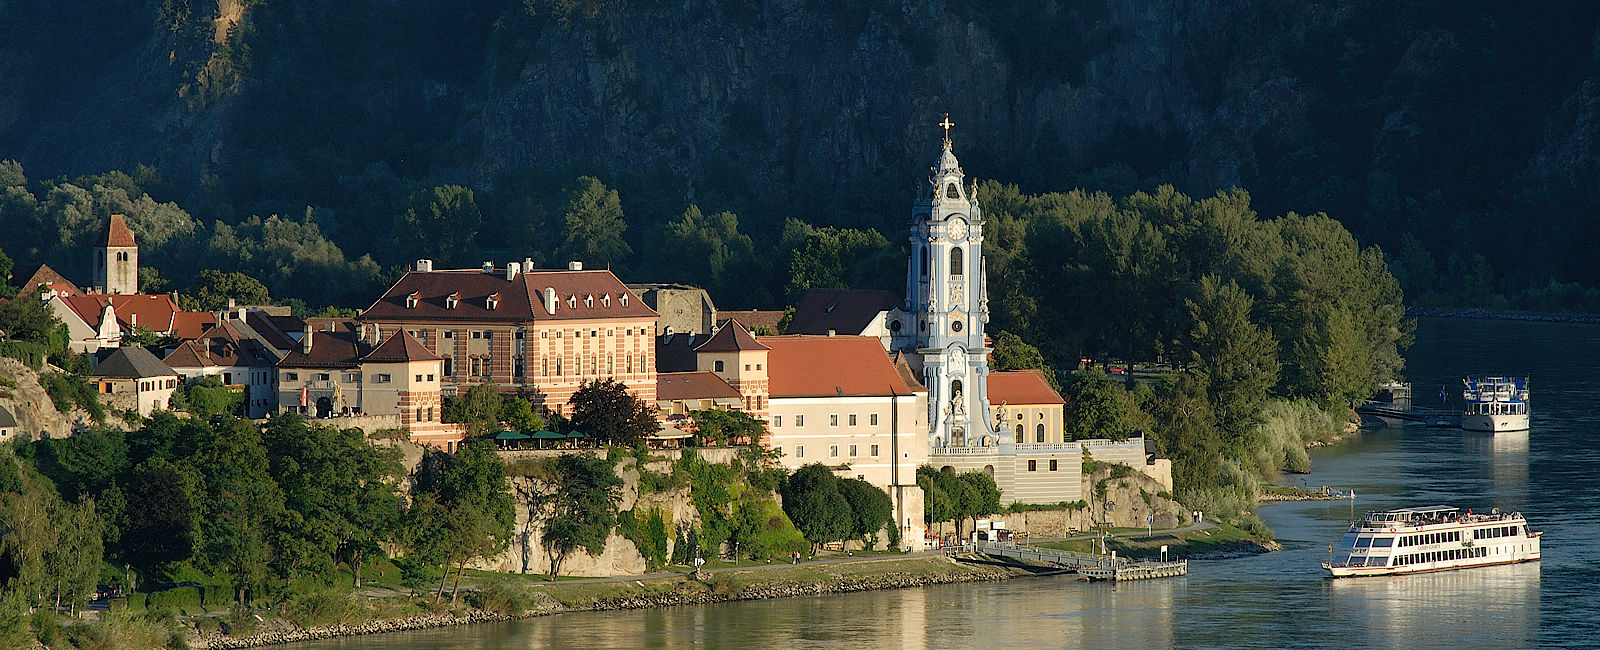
510 439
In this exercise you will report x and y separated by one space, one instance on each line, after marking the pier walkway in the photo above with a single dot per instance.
1427 416
1091 566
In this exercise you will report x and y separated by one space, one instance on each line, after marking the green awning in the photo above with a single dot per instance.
546 435
576 435
511 435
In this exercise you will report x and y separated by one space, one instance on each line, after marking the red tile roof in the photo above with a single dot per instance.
401 347
157 312
44 275
673 386
335 349
826 366
846 311
117 233
731 338
1021 387
579 295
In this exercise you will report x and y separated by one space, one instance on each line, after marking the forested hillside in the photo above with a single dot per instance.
1457 135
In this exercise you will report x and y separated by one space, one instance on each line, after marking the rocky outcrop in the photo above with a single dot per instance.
36 414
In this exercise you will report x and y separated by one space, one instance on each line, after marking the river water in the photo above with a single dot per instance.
1277 600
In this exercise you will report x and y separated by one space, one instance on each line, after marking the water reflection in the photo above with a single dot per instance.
1503 457
1441 609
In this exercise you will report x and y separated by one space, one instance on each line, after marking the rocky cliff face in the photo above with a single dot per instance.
36 414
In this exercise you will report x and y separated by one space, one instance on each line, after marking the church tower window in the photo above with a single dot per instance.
955 261
952 192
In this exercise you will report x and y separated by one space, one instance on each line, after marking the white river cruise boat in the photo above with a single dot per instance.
1434 538
1495 404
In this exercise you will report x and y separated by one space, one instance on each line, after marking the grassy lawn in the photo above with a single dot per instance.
1131 542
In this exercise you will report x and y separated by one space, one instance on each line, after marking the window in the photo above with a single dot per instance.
923 267
449 334
719 366
950 191
227 378
419 378
1020 433
291 376
1033 466
955 387
516 367
476 334
872 419
955 261
430 376
799 451
799 419
833 451
852 419
352 377
1052 464
833 419
777 421
322 376
747 367
853 453
449 366
873 450
380 378
519 336
1038 433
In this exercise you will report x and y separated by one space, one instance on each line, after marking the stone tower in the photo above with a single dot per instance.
116 259
947 301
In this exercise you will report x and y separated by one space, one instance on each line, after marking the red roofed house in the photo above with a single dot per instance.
97 321
678 393
44 280
232 352
841 401
738 358
543 331
345 371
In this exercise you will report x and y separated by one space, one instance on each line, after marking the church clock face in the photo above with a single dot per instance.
958 228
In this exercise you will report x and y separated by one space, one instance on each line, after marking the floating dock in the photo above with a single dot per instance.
1089 566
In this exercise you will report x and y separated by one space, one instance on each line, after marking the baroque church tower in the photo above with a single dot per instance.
948 306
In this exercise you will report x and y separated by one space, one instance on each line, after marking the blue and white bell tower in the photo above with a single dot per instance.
948 303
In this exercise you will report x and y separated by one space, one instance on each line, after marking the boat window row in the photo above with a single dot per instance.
1367 541
1491 533
1431 538
1440 556
1497 408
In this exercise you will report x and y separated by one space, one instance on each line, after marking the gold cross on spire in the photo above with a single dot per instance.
947 124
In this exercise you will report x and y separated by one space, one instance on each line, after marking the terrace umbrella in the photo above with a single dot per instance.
503 437
573 436
546 435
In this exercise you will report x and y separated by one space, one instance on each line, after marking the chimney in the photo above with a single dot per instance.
231 304
242 313
133 319
512 269
527 264
488 266
424 266
550 300
831 332
305 339
574 265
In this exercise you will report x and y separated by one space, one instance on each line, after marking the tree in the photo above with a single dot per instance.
605 410
517 411
209 397
584 509
1098 408
440 223
7 290
479 409
1013 353
476 512
721 426
1236 360
214 288
594 225
160 521
982 495
711 252
936 505
870 508
835 258
812 500
240 507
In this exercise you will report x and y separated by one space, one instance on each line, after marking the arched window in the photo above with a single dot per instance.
719 366
1020 433
924 266
1038 433
952 192
955 261
955 387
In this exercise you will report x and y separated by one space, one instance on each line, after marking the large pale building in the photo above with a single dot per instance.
540 331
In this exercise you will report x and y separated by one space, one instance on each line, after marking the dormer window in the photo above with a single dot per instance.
605 300
572 301
588 301
623 299
451 300
493 300
411 300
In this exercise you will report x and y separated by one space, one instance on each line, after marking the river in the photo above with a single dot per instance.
1276 600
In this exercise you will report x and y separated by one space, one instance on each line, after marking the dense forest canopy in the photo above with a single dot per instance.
1453 134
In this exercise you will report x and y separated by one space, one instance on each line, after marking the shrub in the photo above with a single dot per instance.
502 597
326 607
177 598
648 533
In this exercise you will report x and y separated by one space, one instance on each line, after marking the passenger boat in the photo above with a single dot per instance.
1495 403
1434 538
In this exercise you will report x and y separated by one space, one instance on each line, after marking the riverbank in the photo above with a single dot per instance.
544 598
1213 542
1504 314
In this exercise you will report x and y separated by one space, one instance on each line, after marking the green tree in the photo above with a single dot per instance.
605 410
594 228
440 223
721 426
474 495
214 288
209 397
870 508
936 505
836 258
1236 360
160 523
980 495
1099 408
584 509
517 411
240 507
478 409
7 289
1012 353
812 500
709 251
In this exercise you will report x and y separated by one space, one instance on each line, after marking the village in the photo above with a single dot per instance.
870 386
